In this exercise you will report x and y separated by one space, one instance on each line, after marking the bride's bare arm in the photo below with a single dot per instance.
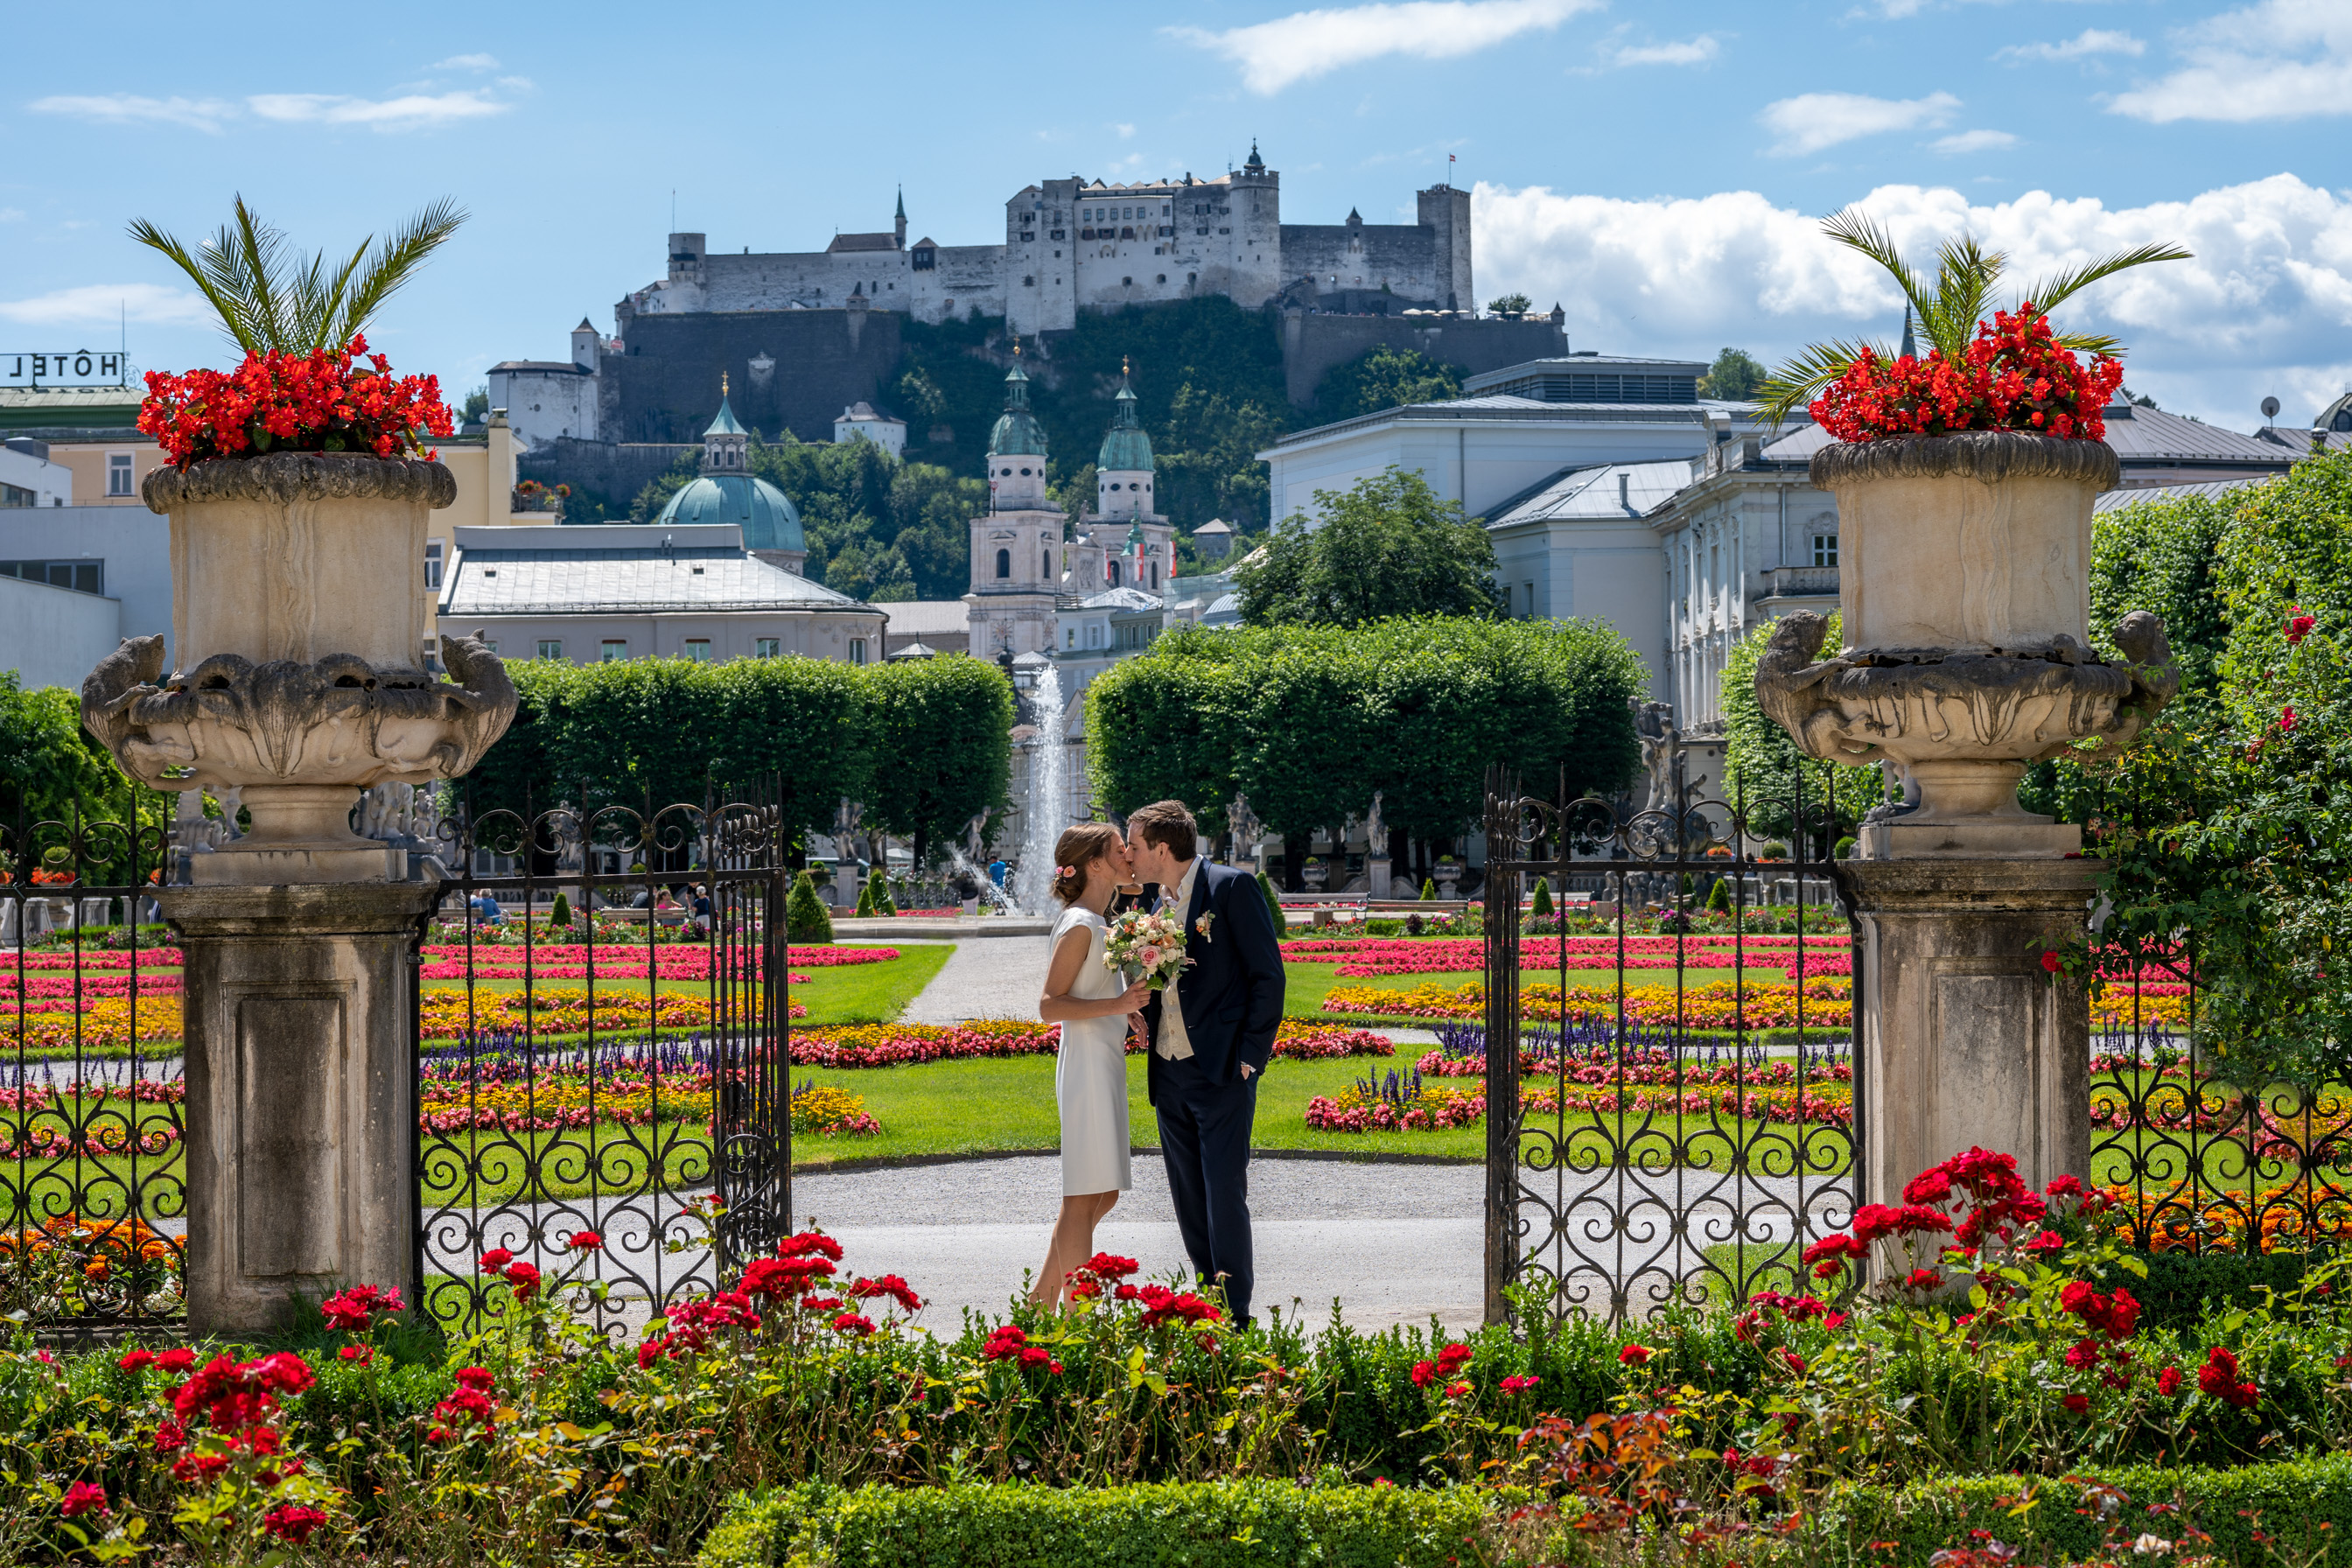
1058 1006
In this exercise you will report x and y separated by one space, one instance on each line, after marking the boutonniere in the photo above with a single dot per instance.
1201 925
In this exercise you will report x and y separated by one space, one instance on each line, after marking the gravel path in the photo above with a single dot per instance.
1000 977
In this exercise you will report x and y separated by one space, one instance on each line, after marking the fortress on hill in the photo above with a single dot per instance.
1073 245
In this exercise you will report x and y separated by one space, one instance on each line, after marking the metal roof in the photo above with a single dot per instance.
617 570
545 366
1594 491
927 618
2206 491
2150 434
1504 408
864 242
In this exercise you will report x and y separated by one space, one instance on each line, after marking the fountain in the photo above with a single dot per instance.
1043 813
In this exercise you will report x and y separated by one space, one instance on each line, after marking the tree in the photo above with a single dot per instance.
941 736
53 771
1734 377
806 917
1386 546
268 301
1384 378
1514 304
1274 905
478 405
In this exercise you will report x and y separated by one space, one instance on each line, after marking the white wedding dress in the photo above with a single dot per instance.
1091 1074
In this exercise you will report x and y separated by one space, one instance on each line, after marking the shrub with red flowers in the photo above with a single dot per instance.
277 402
2015 376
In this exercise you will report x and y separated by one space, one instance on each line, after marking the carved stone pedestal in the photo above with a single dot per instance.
1963 1038
302 1099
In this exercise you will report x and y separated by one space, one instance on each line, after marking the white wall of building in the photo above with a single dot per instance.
26 471
55 637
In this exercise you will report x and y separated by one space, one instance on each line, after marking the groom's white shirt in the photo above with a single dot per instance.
1173 1044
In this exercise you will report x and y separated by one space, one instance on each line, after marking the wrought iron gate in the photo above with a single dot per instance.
614 1086
1648 1146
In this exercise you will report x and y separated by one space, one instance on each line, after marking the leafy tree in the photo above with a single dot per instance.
1514 304
1763 771
1734 377
661 487
940 731
806 917
1541 909
1386 546
53 772
478 405
1384 378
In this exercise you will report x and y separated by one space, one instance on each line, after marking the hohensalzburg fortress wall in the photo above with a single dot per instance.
1073 245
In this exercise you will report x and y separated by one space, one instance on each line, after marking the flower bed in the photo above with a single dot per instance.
1432 1110
622 961
906 1045
1359 957
1828 1002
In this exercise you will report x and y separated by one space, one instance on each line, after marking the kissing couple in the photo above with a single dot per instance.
1209 1036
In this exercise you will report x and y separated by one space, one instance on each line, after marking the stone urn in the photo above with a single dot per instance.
1314 873
297 610
1964 586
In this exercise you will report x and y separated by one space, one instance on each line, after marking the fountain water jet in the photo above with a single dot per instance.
1043 814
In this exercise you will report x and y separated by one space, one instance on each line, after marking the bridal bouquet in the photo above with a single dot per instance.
1145 945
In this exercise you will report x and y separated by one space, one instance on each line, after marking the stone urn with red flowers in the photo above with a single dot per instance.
1964 479
298 487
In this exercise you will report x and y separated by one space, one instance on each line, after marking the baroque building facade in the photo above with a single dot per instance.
1073 245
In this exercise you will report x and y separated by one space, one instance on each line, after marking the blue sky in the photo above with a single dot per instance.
1658 170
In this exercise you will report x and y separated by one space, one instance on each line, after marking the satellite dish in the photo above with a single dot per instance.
2270 407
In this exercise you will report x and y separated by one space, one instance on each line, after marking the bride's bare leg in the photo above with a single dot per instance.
1072 1243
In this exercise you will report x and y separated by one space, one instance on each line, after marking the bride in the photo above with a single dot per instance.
1095 1011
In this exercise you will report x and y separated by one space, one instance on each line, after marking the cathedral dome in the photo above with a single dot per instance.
1017 432
1126 449
766 515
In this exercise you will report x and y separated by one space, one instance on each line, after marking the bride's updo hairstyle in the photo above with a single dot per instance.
1077 849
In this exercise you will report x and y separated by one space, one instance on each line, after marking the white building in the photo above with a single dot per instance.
548 398
861 422
27 477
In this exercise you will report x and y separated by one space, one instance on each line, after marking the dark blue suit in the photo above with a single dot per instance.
1232 998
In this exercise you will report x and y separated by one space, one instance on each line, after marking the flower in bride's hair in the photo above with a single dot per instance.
1066 870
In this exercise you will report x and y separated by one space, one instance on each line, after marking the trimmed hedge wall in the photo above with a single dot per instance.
2290 1501
1216 1524
2180 1285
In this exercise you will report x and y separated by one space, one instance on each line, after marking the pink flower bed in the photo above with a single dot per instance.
1327 1115
669 961
1364 957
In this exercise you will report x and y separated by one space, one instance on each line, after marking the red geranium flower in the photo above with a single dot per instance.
82 1498
292 1522
587 1241
1633 1355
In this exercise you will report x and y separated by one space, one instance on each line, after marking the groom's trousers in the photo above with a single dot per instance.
1204 1136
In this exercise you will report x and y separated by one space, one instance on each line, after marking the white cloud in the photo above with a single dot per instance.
1813 121
130 109
518 83
1975 142
2090 41
2264 308
104 304
467 63
410 111
2281 60
1690 52
12 215
1309 43
1125 131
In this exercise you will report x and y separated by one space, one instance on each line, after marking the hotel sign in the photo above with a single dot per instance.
79 367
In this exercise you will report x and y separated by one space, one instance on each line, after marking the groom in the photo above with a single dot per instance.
1209 1049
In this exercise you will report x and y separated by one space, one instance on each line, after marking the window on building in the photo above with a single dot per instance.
1825 550
1072 637
614 649
1003 564
1046 566
857 650
1530 588
550 648
698 649
490 643
1094 636
1114 574
16 495
433 562
430 657
119 467
81 576
768 647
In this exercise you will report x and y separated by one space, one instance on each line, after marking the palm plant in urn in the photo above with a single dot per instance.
1964 479
298 489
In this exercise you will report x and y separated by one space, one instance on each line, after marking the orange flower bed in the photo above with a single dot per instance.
1828 1002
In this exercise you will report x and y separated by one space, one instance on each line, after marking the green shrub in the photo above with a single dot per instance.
1541 908
1428 892
805 916
1204 1525
2305 1503
1845 847
1719 897
2180 1285
559 915
1274 905
1384 925
875 900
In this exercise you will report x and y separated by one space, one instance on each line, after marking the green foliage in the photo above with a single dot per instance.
1384 378
559 914
1540 908
865 900
875 900
665 730
1310 721
1428 890
2180 1287
1205 1524
1386 546
806 917
1273 904
1513 304
940 731
53 770
1718 896
478 405
267 299
1734 377
1761 765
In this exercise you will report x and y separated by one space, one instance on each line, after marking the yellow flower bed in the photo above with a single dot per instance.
1828 1002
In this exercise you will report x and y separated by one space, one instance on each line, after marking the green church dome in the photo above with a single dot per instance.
1016 433
767 516
1125 447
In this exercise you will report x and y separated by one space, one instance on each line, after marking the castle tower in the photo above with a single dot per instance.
1446 212
1125 483
1016 543
900 226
